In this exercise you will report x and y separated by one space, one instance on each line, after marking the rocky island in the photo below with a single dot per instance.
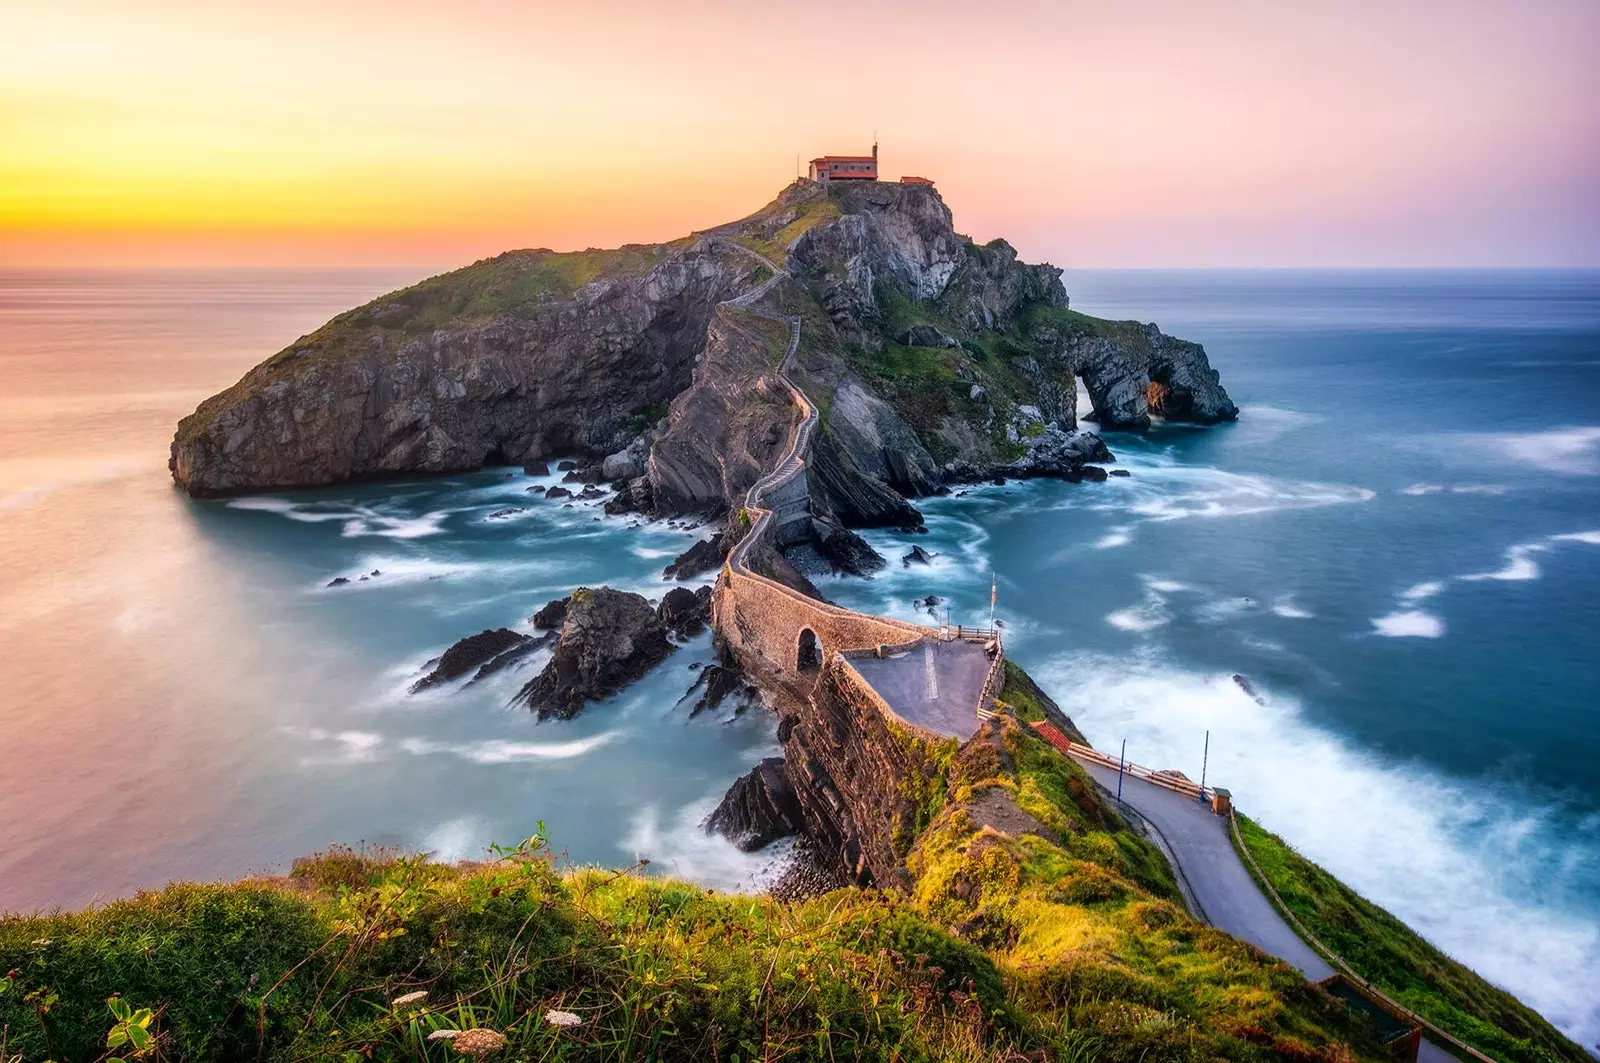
812 368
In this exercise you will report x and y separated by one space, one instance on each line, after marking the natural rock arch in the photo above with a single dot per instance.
808 651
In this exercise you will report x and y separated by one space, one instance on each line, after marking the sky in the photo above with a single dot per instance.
1139 133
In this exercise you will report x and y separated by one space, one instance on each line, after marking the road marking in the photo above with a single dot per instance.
930 673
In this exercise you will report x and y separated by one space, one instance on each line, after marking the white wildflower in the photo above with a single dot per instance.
443 1035
410 998
562 1018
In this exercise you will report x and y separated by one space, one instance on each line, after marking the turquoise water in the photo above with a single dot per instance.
1398 545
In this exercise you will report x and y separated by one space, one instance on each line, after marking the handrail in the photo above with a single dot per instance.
1157 777
1333 957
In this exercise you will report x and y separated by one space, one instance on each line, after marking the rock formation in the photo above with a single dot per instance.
609 638
488 651
923 349
759 808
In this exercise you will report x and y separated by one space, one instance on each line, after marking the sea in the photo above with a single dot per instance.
1368 609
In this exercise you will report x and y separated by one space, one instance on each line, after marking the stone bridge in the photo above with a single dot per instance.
791 637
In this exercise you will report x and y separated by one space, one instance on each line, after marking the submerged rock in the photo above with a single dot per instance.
537 468
558 492
609 639
917 556
718 682
474 651
704 556
759 808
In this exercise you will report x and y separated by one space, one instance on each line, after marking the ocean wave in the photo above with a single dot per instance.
1409 623
1287 608
501 751
358 521
1458 489
1482 871
1519 565
677 844
1120 535
1571 451
338 747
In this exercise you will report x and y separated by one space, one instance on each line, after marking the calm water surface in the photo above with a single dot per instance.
1398 545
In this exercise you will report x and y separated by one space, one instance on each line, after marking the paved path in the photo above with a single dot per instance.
1222 887
1218 884
936 685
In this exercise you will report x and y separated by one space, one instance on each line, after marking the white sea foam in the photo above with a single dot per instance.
1409 623
1590 537
1121 535
339 747
500 751
1459 489
1421 591
1146 616
1477 869
1571 451
1519 565
1286 607
463 838
1162 490
678 844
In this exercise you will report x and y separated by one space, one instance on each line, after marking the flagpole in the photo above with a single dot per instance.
994 589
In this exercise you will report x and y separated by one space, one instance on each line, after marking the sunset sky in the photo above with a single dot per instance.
1137 133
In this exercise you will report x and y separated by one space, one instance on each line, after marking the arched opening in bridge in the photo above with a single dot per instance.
808 655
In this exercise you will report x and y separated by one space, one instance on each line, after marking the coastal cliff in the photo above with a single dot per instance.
923 348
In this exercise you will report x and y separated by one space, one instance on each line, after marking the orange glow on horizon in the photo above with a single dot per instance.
1423 132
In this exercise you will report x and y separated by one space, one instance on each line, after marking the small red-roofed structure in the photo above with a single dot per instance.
908 180
827 168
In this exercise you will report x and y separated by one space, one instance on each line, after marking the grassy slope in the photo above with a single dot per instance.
1005 943
1389 954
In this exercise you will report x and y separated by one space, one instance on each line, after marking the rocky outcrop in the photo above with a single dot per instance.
759 808
845 552
510 359
684 612
551 615
488 651
704 556
1051 453
609 639
1145 373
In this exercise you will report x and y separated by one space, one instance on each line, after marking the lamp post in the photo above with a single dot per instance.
1121 764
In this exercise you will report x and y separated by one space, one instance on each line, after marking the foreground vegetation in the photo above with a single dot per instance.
1053 934
1390 955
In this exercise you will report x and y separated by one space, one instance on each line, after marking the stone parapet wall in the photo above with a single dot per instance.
762 620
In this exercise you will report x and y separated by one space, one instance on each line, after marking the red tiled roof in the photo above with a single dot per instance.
844 158
909 180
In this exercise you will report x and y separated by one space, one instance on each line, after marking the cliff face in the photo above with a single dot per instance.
919 346
515 358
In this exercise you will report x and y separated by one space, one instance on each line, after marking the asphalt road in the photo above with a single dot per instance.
1220 884
935 685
